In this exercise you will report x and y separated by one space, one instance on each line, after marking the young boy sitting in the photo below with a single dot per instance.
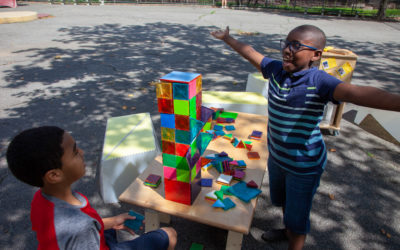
48 157
297 96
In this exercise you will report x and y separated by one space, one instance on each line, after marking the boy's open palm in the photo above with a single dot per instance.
221 34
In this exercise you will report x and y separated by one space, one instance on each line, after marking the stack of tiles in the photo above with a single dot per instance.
153 180
182 120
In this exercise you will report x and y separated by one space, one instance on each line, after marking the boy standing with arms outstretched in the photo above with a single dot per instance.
297 95
48 157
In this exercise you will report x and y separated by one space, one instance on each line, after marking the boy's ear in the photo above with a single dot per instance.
317 55
53 176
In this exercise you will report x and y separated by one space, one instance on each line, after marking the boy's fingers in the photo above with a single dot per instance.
129 230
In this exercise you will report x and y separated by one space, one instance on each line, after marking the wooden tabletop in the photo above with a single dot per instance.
237 219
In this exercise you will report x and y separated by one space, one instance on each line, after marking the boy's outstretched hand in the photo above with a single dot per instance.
221 34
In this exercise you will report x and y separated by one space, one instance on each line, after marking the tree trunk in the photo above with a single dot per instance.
382 10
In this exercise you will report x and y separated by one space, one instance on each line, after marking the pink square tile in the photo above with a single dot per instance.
192 88
169 173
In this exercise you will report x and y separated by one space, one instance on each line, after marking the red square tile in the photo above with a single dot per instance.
168 147
182 122
165 106
177 191
181 149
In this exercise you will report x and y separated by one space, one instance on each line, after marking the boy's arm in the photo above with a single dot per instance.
243 49
367 96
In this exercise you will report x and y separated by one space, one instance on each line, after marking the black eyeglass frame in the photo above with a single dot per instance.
296 48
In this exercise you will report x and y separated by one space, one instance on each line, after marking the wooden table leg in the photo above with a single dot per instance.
165 218
234 241
152 220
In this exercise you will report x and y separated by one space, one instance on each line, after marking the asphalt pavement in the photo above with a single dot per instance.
88 63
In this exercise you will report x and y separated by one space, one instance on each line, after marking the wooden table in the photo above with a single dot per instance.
236 220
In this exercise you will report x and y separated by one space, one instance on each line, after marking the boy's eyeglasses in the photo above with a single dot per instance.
294 46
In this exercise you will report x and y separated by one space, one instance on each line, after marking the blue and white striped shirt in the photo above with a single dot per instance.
295 107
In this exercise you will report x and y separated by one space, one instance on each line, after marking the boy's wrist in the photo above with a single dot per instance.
227 38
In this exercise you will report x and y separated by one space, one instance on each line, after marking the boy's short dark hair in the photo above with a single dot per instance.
319 35
35 151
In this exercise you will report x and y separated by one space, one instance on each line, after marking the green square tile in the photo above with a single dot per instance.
181 107
193 147
183 175
167 134
193 174
193 107
169 160
181 163
207 126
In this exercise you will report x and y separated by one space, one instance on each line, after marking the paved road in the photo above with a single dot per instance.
82 66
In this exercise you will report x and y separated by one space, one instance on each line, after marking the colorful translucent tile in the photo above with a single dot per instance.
211 196
253 155
196 246
218 127
181 149
228 115
193 174
224 189
192 88
182 136
169 173
182 175
195 127
181 163
178 191
193 108
134 224
241 163
229 127
206 182
164 90
228 203
207 126
243 192
198 99
198 84
181 107
224 179
219 194
167 134
165 106
169 160
181 91
235 141
252 184
167 120
193 147
198 112
220 133
177 76
182 122
218 204
198 165
229 137
206 114
168 147
202 141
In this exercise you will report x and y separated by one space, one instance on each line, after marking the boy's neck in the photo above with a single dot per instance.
61 192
